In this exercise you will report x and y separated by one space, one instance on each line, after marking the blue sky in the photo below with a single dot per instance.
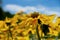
44 6
48 3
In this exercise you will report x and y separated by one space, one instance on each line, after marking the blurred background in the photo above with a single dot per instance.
14 19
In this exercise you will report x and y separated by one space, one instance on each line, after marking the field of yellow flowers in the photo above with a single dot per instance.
31 26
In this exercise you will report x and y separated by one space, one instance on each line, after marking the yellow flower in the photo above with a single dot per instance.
3 26
27 37
58 21
44 18
7 19
53 25
25 33
51 17
23 38
32 30
53 32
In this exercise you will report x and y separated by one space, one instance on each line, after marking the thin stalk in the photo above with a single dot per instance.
31 35
10 33
37 31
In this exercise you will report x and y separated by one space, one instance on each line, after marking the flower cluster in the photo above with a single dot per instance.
28 26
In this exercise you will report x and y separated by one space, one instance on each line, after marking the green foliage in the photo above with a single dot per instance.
59 35
3 14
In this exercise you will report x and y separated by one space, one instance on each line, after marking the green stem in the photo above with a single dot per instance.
38 33
30 35
9 33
